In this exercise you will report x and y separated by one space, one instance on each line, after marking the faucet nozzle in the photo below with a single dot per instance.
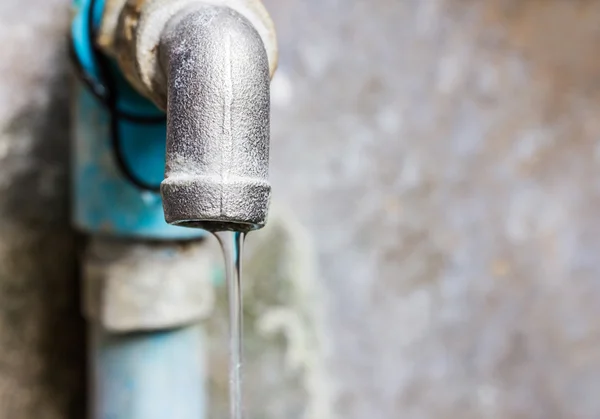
217 73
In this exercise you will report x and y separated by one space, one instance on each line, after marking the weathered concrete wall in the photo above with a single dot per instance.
442 153
41 334
445 156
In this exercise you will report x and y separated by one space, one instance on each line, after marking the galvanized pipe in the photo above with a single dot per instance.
217 121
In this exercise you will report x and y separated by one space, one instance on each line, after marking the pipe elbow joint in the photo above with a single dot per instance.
218 104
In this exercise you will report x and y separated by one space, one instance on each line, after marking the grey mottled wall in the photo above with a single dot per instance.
443 153
41 334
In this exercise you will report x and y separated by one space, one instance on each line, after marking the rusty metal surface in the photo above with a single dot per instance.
108 26
138 33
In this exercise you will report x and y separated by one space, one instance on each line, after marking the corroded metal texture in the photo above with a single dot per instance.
107 30
138 32
216 175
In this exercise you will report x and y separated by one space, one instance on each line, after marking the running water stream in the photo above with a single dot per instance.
232 243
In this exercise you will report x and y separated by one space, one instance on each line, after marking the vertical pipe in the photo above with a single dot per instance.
149 375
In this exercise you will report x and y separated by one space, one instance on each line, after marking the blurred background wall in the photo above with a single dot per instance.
41 332
444 156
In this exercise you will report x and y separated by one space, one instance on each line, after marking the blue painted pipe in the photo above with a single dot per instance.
104 200
148 375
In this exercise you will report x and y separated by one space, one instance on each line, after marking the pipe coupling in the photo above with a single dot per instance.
131 32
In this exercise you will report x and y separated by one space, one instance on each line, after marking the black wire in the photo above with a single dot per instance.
99 92
94 87
105 90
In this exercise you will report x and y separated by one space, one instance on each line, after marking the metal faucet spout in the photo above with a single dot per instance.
217 76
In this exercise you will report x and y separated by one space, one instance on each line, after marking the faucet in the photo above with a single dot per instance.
218 121
170 130
212 77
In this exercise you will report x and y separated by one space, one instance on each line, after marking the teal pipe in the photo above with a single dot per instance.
158 375
141 375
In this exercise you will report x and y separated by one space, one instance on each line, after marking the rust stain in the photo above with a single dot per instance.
126 39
